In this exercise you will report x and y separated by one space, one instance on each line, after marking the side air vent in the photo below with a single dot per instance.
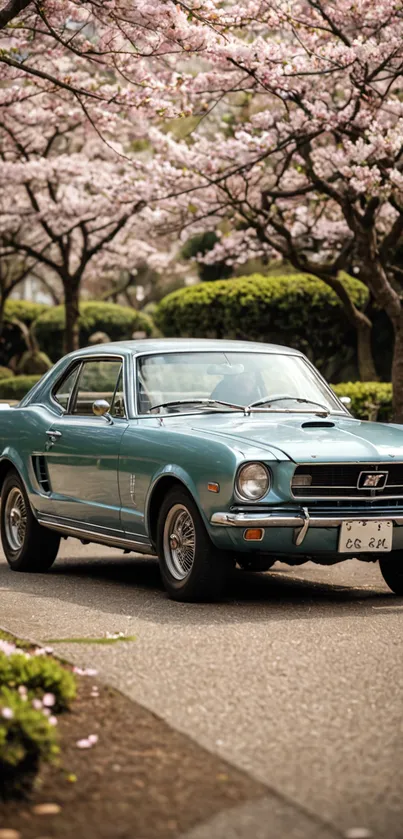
41 472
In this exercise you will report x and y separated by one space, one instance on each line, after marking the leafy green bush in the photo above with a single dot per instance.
6 373
17 386
119 322
26 738
24 310
369 400
33 363
39 675
12 341
298 310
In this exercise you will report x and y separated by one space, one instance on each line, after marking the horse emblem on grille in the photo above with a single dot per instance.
372 480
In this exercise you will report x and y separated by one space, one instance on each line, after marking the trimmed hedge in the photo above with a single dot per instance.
119 323
17 387
369 400
297 310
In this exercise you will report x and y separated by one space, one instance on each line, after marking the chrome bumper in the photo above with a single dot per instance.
296 520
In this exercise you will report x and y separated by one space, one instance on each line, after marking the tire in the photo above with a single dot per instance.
255 563
392 571
27 545
198 573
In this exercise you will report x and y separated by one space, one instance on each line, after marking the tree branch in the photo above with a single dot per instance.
11 10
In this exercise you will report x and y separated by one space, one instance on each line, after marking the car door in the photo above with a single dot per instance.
82 454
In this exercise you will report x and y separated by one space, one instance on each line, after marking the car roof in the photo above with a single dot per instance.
160 345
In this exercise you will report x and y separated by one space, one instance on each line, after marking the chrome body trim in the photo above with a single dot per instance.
292 519
99 537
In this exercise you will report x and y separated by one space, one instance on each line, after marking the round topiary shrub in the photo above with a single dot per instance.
32 363
17 387
298 310
119 322
12 342
5 373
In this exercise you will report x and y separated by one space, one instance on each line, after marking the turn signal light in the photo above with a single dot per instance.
213 487
254 534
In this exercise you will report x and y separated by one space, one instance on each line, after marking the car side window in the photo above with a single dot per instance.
63 392
98 379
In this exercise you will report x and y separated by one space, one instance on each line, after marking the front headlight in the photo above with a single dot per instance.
253 481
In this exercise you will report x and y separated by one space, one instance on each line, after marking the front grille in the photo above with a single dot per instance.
341 480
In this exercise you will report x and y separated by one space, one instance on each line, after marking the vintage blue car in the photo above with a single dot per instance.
206 453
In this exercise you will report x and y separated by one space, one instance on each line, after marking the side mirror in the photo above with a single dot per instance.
345 400
101 408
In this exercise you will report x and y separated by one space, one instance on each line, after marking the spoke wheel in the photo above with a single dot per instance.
179 541
26 544
15 519
192 568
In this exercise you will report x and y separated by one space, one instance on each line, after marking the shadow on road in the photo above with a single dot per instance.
130 586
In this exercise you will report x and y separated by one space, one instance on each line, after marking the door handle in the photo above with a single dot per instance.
53 435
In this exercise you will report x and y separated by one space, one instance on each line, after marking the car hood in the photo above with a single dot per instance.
304 437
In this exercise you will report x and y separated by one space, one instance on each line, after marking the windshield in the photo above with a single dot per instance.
236 378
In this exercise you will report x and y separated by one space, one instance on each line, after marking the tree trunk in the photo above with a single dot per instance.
397 373
71 301
3 300
366 365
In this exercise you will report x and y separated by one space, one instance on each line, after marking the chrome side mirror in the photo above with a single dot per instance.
101 408
345 400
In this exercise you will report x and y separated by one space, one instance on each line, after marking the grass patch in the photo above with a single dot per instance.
113 640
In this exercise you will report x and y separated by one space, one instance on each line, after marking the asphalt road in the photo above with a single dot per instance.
297 677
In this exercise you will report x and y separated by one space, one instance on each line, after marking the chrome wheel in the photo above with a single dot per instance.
179 541
15 519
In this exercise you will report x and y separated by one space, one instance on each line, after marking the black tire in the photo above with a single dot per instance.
205 581
255 563
38 546
392 571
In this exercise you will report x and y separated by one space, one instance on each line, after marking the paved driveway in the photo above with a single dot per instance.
297 677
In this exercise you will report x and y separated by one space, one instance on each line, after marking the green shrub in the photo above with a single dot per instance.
17 387
24 310
39 674
33 363
296 310
26 738
369 400
5 373
119 322
12 341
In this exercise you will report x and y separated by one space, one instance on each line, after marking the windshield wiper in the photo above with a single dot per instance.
267 399
207 402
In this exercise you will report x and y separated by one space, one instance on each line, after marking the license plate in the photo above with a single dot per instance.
365 536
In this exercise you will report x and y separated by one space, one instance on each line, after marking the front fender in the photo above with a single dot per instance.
173 470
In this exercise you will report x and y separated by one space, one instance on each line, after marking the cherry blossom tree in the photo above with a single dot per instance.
80 82
300 153
70 204
298 146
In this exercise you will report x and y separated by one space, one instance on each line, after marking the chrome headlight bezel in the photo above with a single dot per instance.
265 474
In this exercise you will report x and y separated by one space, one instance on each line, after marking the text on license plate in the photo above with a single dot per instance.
365 536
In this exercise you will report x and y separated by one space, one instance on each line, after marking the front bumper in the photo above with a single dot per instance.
299 522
